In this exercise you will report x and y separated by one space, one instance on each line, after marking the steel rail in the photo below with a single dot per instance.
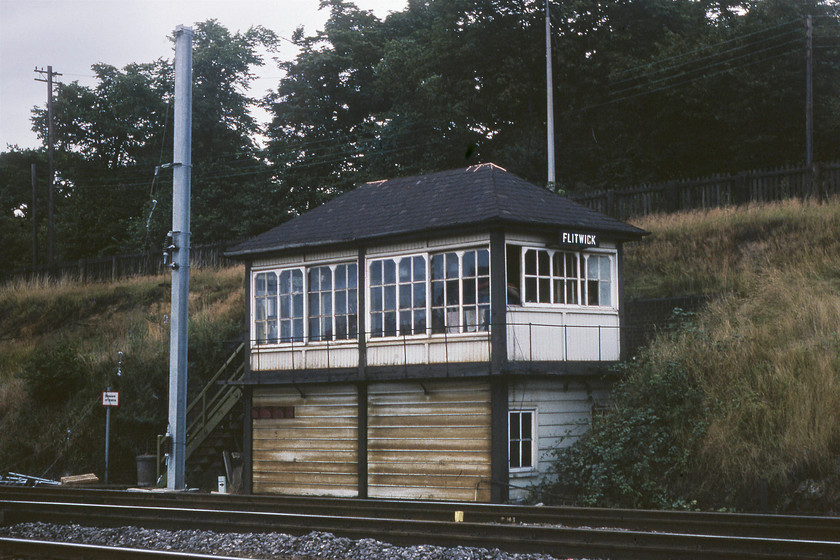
26 548
711 523
553 540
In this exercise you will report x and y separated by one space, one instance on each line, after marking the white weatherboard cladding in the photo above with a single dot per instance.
429 441
563 414
546 333
540 241
314 453
437 349
306 259
435 245
342 354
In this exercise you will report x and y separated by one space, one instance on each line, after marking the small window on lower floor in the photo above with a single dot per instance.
522 441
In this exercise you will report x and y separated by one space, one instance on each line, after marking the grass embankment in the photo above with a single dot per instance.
746 393
59 350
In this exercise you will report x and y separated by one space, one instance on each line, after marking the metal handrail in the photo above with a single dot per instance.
444 337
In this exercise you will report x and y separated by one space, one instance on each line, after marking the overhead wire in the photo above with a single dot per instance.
684 82
726 62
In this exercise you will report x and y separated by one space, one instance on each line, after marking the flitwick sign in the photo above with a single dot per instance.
578 240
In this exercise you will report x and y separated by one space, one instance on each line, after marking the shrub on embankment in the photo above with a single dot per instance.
59 350
738 407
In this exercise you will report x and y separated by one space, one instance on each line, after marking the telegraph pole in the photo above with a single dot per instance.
809 92
549 91
34 217
182 166
50 149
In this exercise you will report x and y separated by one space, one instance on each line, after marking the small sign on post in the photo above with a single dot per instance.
110 398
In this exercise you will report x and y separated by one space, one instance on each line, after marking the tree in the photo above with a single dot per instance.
110 139
16 210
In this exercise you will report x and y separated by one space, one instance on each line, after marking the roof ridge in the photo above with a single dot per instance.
495 188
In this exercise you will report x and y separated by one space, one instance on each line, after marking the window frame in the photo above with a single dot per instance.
428 309
305 337
534 455
461 281
380 306
552 279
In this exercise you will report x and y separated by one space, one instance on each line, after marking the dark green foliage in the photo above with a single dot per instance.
637 453
644 91
54 374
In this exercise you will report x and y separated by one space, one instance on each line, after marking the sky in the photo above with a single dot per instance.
72 35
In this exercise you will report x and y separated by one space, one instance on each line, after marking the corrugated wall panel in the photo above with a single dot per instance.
430 441
314 453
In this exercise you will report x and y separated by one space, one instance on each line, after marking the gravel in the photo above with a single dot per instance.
315 545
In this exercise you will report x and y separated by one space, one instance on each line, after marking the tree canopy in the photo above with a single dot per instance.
643 91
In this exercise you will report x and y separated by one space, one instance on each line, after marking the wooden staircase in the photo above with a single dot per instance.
214 424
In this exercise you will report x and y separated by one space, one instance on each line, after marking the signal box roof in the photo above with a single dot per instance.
473 199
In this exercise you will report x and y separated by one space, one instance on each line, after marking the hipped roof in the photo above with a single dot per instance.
479 195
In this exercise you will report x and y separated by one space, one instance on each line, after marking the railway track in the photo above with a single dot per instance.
552 530
28 549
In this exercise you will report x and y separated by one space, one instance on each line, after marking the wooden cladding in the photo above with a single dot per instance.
312 453
269 412
429 441
424 441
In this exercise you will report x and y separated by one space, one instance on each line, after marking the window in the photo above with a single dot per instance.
460 284
285 289
332 302
521 440
566 276
291 305
559 277
398 296
598 284
265 307
330 308
346 299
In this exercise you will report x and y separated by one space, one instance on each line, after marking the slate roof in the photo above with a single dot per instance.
479 195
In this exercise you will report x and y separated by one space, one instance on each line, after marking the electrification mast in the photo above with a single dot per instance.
180 265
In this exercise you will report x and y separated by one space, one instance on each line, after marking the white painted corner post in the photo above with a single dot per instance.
182 165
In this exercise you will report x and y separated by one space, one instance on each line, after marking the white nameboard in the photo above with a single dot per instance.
110 398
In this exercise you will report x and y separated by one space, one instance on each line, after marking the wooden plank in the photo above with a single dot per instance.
311 467
88 478
305 490
420 411
445 469
442 481
269 444
432 444
266 457
422 433
468 419
312 479
428 493
425 458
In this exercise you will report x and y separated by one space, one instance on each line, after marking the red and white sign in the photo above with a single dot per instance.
110 398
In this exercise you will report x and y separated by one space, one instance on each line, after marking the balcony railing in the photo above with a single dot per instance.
526 341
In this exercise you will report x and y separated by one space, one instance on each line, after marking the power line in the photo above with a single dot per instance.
688 81
711 57
708 66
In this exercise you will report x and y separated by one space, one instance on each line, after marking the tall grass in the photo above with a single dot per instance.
754 377
720 250
41 321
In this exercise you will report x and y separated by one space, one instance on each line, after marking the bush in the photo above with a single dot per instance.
54 374
636 454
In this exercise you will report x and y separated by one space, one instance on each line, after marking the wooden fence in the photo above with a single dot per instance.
818 181
96 269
